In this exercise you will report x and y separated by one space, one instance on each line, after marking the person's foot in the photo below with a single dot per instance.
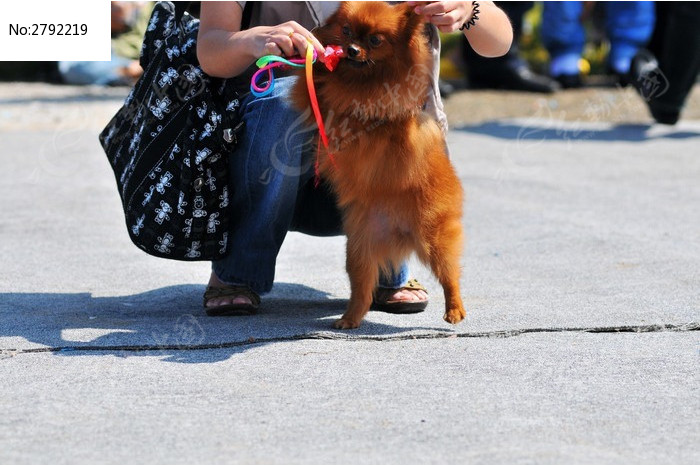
569 81
664 114
411 298
216 283
514 78
646 77
409 295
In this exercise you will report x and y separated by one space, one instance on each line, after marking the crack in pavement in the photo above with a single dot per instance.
656 328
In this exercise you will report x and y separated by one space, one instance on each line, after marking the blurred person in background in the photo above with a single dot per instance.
628 26
129 22
509 71
665 74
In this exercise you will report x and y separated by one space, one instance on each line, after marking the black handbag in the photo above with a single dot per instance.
169 144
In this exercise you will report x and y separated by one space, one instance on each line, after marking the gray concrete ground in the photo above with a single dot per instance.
581 277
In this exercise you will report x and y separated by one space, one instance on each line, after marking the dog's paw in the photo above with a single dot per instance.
454 315
346 324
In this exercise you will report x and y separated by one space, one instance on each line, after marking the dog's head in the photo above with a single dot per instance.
375 34
385 49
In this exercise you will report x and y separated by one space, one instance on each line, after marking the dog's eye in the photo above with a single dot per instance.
375 41
346 31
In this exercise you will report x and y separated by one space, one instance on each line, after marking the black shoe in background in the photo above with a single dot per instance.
510 71
670 68
569 81
446 89
512 78
647 78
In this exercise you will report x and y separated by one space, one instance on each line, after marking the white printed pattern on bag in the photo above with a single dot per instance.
154 172
193 250
224 197
161 107
153 23
201 111
181 204
166 243
164 182
199 211
162 212
208 130
172 52
147 196
188 227
136 228
202 155
175 150
189 43
213 223
211 181
168 27
193 74
223 243
167 76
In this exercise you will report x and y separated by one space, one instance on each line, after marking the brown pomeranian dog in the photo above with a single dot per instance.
386 159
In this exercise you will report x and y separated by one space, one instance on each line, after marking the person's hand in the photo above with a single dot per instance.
287 39
447 16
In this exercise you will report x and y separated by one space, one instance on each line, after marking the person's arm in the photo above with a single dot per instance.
492 34
225 51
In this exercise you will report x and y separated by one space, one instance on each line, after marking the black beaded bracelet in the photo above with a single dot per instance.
475 17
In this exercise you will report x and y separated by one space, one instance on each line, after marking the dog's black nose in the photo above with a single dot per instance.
353 51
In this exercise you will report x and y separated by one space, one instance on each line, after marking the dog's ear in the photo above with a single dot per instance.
412 21
329 33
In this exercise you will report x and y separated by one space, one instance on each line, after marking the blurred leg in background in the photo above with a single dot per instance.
509 71
128 25
629 26
564 37
665 74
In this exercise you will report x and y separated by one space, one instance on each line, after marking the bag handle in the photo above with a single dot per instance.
180 9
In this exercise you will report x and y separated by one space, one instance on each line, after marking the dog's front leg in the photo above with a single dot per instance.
363 272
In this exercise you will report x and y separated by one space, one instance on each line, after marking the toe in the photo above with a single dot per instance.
237 300
408 295
241 300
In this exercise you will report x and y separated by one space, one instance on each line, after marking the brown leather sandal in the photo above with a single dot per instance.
382 303
230 290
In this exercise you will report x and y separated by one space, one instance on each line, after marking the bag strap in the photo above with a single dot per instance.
181 8
247 15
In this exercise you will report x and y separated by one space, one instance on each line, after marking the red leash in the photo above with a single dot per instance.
333 54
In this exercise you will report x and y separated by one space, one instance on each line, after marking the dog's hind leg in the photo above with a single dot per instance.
443 256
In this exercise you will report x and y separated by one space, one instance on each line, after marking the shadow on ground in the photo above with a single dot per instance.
168 322
537 129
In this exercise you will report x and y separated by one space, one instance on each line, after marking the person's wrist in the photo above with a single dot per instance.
473 17
251 42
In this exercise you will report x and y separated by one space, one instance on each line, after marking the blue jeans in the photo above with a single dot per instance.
272 191
628 25
94 72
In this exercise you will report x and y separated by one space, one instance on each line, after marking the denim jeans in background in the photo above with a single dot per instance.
628 26
95 72
272 191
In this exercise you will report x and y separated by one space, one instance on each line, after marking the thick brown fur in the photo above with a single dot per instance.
386 161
